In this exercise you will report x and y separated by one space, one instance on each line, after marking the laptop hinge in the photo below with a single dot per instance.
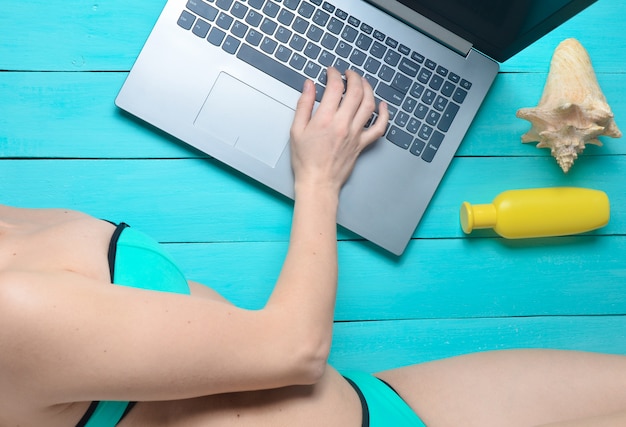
424 25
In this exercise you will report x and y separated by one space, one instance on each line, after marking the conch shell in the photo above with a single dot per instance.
572 111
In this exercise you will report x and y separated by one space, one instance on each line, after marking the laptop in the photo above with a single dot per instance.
224 76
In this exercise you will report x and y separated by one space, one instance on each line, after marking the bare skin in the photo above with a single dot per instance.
69 337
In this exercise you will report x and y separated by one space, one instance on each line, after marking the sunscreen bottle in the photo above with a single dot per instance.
539 212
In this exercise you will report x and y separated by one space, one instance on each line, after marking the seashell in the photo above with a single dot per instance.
572 110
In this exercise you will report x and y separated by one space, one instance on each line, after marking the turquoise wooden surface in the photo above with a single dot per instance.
64 143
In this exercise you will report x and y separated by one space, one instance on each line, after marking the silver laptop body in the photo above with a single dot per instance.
207 75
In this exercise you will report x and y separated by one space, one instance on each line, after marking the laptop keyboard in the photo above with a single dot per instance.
295 40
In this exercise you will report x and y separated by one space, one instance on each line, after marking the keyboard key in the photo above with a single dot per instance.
341 65
291 4
285 17
239 29
420 111
224 21
459 95
430 64
399 137
315 33
431 148
272 67
386 73
413 125
300 25
335 26
254 37
447 88
341 14
392 57
268 45
326 58
257 4
408 67
465 84
312 50
401 83
447 117
343 49
306 9
328 7
417 57
404 50
432 118
349 33
320 17
357 57
366 28
454 77
329 41
224 4
297 42
239 10
373 81
436 82
283 34
391 42
378 50
402 119
372 65
231 45
254 18
268 26
389 94
297 61
354 21
201 29
379 36
425 132
312 69
216 36
417 147
417 90
424 75
442 71
440 103
409 104
283 53
203 9
271 9
363 42
429 97
186 20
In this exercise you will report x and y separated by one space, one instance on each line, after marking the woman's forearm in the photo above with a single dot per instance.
306 290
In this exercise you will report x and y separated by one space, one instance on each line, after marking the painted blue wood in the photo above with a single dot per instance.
376 346
213 203
73 115
63 143
108 35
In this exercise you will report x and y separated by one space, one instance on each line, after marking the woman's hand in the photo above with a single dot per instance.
325 146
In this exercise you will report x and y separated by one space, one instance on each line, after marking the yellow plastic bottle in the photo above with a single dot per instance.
539 212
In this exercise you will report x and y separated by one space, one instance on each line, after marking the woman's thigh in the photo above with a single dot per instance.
331 402
517 387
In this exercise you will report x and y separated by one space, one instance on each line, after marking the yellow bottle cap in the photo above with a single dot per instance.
477 216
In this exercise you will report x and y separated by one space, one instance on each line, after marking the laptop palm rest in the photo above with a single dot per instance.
246 119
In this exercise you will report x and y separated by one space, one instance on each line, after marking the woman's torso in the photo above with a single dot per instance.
62 240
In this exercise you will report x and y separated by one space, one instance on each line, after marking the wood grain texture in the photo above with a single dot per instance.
63 143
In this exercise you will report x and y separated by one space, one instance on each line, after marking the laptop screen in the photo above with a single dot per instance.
498 28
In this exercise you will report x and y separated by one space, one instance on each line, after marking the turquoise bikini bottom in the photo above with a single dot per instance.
382 406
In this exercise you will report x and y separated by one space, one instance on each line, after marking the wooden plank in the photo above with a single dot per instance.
72 115
203 201
109 35
376 346
436 278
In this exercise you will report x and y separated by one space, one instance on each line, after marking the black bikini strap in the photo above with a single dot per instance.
113 248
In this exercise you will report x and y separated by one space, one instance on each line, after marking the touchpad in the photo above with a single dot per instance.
247 119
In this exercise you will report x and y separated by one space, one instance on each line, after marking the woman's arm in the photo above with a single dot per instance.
68 338
324 149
